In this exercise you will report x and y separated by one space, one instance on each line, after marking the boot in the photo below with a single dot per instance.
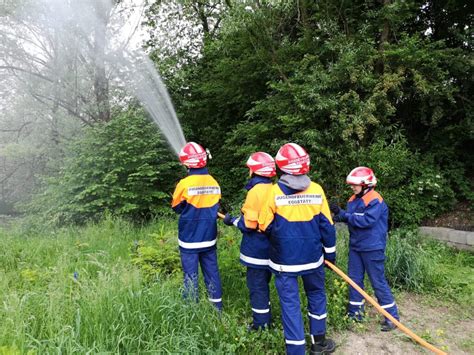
253 328
326 346
387 326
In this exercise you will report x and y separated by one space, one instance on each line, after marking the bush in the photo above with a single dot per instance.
160 258
123 167
413 187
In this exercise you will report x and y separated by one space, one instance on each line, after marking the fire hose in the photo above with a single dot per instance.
377 306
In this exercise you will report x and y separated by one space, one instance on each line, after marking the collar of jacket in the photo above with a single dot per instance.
198 171
257 179
292 184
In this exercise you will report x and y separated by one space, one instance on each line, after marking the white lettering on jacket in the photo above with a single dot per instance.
204 190
291 200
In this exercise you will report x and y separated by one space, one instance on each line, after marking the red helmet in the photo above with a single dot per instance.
293 159
193 155
362 176
262 164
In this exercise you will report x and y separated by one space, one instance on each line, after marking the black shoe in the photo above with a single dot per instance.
253 328
387 326
326 347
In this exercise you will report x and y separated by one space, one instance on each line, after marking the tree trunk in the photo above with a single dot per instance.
101 84
384 37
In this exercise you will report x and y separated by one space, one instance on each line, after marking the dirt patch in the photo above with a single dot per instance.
449 328
461 217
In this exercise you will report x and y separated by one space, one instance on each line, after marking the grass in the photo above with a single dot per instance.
77 290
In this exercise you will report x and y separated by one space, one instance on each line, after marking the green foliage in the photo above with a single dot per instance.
123 167
409 265
413 186
109 303
159 259
305 72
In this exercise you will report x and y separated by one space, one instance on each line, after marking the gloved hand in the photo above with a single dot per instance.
337 218
330 257
334 208
228 219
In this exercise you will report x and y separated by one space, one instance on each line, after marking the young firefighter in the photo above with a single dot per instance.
297 219
196 199
367 218
255 246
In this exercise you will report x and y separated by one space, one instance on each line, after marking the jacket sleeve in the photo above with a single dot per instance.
267 214
242 225
249 218
327 231
366 219
179 200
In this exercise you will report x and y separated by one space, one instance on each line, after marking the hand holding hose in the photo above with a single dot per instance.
228 220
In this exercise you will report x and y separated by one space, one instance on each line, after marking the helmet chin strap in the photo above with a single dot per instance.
364 190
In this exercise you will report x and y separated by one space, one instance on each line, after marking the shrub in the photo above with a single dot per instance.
122 167
160 258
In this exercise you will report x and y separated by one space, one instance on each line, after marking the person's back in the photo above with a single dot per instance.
196 199
297 219
295 235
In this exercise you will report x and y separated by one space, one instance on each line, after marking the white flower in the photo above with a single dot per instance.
438 176
435 196
420 189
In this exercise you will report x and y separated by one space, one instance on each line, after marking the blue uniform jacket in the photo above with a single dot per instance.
255 245
367 219
300 227
196 198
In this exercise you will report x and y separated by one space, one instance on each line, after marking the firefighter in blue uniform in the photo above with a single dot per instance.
255 245
196 198
297 219
367 218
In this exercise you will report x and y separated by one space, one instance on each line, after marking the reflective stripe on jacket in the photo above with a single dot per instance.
300 226
367 219
196 199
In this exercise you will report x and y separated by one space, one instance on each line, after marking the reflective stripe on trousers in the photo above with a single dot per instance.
292 319
258 284
371 262
208 261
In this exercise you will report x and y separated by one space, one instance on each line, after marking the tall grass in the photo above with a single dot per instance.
76 290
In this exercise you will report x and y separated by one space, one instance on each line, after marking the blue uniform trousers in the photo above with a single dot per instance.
374 263
210 270
258 284
293 326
